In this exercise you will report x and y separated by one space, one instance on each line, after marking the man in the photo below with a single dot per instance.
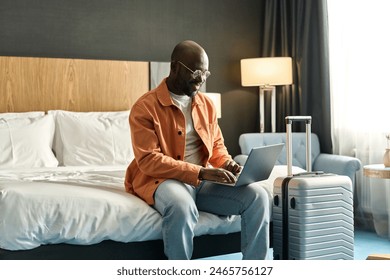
177 144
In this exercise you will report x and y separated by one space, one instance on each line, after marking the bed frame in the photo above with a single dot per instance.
42 84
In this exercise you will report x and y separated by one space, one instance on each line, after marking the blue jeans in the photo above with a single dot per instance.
179 204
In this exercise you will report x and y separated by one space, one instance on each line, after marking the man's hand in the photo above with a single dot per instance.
226 174
232 166
219 175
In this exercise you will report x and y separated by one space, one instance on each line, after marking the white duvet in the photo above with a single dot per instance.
80 205
85 205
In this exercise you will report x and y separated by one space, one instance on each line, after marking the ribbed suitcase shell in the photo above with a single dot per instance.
313 217
318 223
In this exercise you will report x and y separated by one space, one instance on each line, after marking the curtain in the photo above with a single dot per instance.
359 62
359 67
299 29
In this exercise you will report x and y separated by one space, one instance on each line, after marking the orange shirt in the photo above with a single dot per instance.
158 137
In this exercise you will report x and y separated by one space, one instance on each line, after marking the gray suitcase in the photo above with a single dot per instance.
312 211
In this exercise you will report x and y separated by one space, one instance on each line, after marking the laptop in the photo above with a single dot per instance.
258 166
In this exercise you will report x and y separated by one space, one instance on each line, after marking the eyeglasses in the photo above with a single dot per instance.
197 73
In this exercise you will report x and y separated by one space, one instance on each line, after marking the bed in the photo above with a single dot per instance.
65 144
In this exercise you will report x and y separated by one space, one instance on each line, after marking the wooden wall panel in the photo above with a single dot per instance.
42 84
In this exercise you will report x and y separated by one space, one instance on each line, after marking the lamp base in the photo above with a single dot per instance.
273 107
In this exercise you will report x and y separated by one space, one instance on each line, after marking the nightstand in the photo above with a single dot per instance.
376 173
380 172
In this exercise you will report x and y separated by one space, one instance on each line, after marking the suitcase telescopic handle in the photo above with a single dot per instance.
289 121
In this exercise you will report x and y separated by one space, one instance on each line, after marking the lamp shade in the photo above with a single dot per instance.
216 98
271 71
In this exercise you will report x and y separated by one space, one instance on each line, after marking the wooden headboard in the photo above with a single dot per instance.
42 84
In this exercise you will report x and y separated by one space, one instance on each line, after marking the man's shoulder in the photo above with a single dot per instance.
146 98
152 98
158 95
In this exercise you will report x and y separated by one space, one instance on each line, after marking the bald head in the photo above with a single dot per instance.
187 57
187 50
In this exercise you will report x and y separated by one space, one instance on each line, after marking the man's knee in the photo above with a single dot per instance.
177 200
184 208
258 195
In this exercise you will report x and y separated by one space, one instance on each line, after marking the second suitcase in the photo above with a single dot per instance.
312 212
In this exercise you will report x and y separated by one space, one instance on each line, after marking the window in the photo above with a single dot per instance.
359 51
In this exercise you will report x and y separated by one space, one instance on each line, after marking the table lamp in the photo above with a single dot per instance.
266 72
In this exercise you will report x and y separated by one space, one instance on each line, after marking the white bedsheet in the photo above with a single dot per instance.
86 205
80 205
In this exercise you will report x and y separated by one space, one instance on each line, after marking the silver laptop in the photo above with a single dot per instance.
258 166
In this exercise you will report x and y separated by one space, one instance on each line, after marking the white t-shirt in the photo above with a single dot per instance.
194 144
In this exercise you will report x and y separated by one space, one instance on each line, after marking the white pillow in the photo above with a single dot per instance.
26 142
22 115
92 138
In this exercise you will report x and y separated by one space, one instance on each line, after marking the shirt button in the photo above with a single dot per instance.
156 182
178 157
180 133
